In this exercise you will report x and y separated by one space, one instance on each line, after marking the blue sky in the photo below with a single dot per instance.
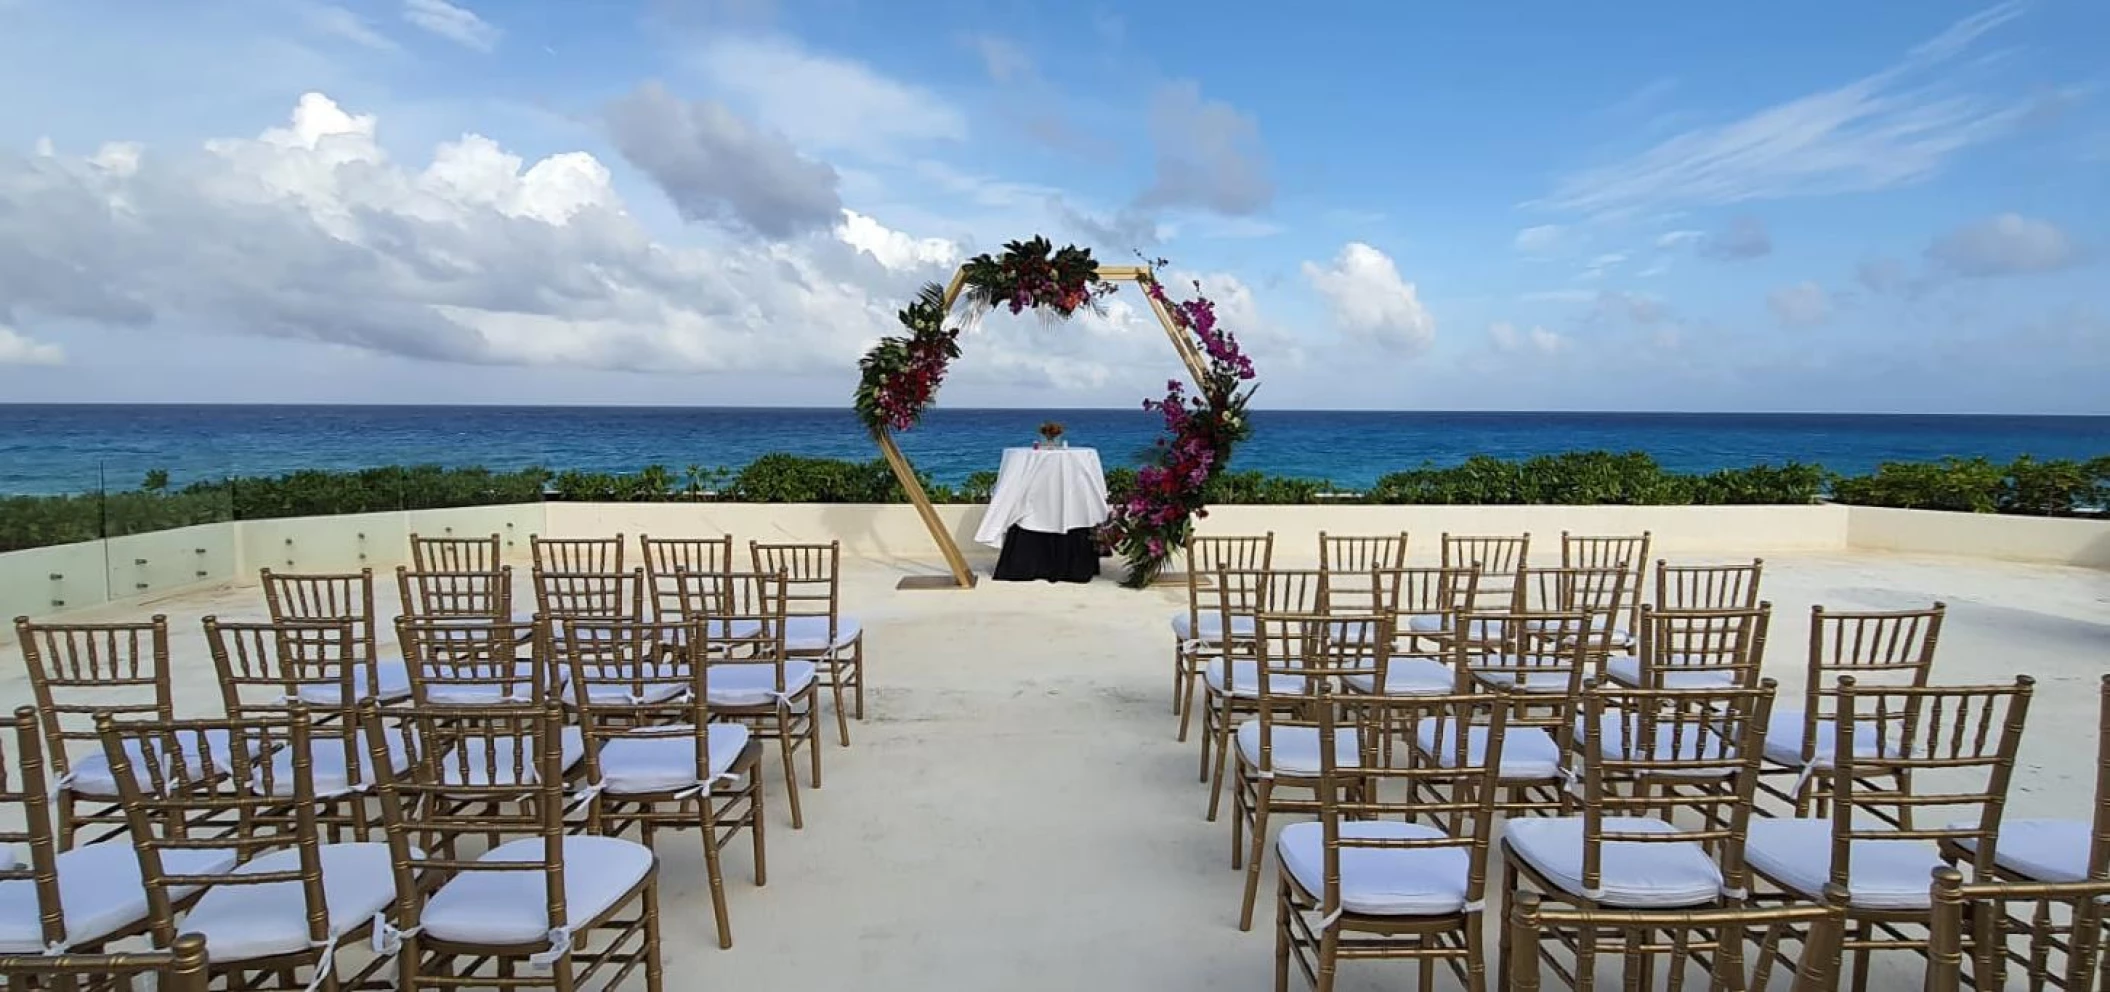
1649 206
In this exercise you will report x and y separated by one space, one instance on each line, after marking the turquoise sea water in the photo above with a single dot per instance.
54 449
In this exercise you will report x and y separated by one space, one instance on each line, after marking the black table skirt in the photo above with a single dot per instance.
1030 555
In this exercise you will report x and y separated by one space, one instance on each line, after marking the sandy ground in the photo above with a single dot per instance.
1016 815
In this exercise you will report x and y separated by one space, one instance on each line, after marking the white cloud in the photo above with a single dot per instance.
715 165
333 20
1538 240
1800 305
823 103
1891 128
1672 239
1509 339
311 232
1209 154
453 22
892 248
2007 244
18 349
1370 299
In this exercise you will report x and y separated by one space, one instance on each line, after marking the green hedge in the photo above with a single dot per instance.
2024 486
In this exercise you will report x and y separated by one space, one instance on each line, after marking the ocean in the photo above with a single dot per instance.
48 449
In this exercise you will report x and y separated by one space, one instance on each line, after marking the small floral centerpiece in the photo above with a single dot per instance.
1051 433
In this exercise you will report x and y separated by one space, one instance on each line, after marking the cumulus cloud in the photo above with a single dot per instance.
2007 244
1507 338
1897 126
1744 238
1538 240
716 165
1368 297
894 249
1800 305
1209 155
455 23
19 349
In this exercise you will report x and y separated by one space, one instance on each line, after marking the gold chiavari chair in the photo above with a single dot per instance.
1707 587
815 626
1498 557
55 902
614 595
1197 635
1975 922
1694 649
331 598
269 669
1886 647
277 901
1278 749
754 681
1420 598
456 554
1714 939
1359 555
1610 551
667 556
1231 681
1404 879
178 969
474 663
1656 819
1942 752
655 759
1596 592
524 911
556 555
1525 662
467 595
75 671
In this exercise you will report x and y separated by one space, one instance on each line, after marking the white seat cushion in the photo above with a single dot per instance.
90 775
1634 874
1626 669
1433 623
1380 881
1886 874
1245 680
615 685
755 683
809 635
99 890
2041 850
1528 753
665 760
444 688
1296 749
1546 678
1687 743
1212 627
391 677
512 907
326 765
1409 677
571 749
245 922
1784 740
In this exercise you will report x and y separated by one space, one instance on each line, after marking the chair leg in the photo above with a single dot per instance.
857 671
655 969
1183 695
1283 911
1208 705
1504 949
813 734
1261 800
1179 670
791 766
1863 933
835 684
715 871
1329 958
1476 954
755 820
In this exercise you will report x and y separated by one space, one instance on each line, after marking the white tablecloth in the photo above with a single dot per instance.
1049 490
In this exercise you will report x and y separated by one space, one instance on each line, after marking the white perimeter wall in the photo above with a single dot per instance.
44 581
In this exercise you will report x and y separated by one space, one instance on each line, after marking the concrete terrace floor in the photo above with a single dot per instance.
1016 815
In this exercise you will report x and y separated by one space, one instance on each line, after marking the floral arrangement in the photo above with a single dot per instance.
1034 275
1172 491
1050 431
900 375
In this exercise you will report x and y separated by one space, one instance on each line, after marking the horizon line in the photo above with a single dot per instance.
11 404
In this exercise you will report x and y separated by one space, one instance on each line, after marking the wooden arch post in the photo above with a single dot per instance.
963 577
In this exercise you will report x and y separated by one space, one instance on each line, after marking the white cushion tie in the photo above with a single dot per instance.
1735 893
559 946
388 938
327 963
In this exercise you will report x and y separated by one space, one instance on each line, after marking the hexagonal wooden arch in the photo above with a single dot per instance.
962 577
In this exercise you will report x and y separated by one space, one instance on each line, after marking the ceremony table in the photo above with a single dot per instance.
1042 513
